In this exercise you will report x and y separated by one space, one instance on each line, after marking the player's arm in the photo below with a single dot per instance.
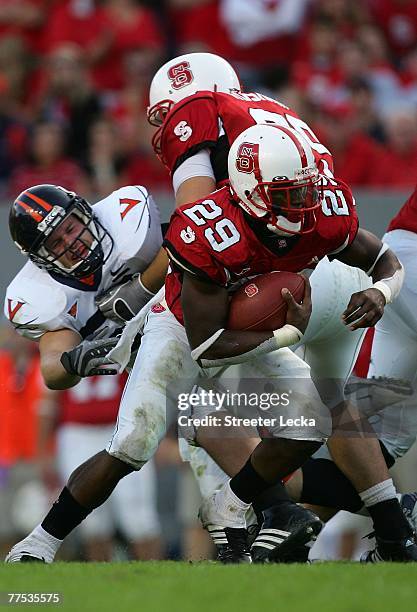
205 307
188 188
378 261
193 189
51 346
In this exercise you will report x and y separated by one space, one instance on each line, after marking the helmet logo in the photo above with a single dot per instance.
51 220
180 75
247 159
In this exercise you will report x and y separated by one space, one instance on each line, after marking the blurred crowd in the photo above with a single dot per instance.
74 78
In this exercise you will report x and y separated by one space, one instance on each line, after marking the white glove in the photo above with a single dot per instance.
122 303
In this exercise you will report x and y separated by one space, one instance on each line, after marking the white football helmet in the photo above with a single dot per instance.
273 176
185 75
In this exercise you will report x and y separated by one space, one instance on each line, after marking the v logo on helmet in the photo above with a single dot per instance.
13 310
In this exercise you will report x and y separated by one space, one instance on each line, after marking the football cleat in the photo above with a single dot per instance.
401 551
21 556
285 535
231 544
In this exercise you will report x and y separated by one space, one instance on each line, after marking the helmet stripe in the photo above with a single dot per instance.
33 213
38 200
297 143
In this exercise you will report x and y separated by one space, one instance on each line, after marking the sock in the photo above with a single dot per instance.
40 544
270 497
386 513
325 485
247 485
65 514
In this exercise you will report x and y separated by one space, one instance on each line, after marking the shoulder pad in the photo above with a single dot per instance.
132 218
34 302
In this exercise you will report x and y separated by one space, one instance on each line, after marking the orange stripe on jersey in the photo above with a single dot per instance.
33 213
38 200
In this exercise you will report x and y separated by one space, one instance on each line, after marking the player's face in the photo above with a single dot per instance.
70 242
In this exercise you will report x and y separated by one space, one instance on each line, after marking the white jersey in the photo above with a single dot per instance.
37 301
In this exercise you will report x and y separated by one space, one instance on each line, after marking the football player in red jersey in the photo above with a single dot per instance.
197 104
292 216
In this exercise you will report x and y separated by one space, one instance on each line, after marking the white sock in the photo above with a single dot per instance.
231 508
41 544
378 493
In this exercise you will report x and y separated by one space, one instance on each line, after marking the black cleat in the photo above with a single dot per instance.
285 533
30 559
231 544
401 551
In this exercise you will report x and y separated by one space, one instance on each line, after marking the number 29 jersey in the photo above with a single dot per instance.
213 120
216 241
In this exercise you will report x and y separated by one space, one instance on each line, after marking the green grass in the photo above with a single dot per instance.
171 586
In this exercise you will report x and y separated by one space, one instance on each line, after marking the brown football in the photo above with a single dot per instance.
259 306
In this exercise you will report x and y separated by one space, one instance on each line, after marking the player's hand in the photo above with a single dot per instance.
89 358
122 303
298 315
365 308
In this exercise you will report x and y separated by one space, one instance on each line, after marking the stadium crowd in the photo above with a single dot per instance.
74 78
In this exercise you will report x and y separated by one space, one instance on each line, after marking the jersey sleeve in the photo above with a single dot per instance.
134 222
342 217
190 127
34 307
184 243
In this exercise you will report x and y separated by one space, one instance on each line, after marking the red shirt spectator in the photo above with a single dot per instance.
49 163
73 21
398 20
23 18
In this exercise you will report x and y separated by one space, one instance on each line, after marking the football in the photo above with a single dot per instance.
259 306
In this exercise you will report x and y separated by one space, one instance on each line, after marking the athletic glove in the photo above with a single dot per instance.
122 303
89 357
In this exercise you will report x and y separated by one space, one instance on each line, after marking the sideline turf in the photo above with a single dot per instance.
172 586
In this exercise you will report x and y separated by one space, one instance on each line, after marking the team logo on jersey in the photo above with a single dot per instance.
180 75
251 290
73 310
183 131
157 308
13 310
187 235
128 204
247 159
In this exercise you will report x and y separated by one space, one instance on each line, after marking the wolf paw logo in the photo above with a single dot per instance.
183 131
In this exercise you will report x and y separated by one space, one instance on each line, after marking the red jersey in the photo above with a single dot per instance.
406 218
213 120
93 401
215 240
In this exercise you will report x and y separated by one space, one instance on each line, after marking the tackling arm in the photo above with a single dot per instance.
51 346
205 307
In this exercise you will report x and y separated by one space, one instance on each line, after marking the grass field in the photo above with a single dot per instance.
172 586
